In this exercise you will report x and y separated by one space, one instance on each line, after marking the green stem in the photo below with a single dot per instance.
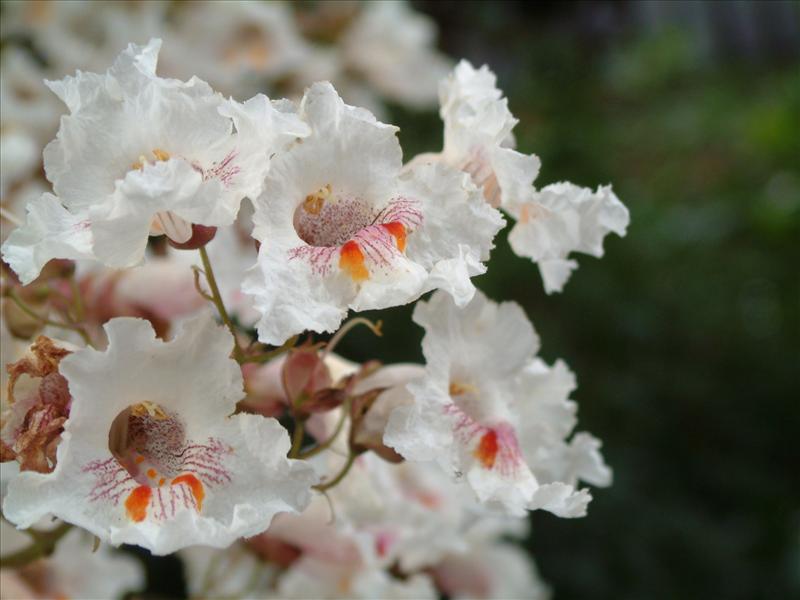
322 487
327 443
77 298
345 329
265 356
45 321
216 298
43 545
297 438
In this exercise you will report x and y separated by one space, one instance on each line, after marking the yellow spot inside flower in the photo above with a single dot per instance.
151 473
194 485
161 482
148 409
159 154
459 389
314 202
351 260
137 502
398 231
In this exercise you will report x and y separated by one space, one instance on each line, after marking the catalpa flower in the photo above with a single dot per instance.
551 223
490 568
151 455
563 218
138 155
478 138
393 48
234 45
342 228
492 414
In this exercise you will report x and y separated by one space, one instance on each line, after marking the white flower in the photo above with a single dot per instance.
50 231
552 222
339 561
234 45
86 35
314 578
150 454
394 48
493 415
564 218
341 227
478 139
139 155
489 568
233 572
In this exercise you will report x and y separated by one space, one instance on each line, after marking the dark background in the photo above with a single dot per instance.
685 336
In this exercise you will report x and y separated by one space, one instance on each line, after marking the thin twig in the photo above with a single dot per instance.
265 356
45 321
341 475
297 438
44 542
197 272
327 443
216 298
374 327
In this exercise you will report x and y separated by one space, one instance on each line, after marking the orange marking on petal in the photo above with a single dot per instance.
195 486
351 260
137 502
161 482
151 473
139 460
486 452
398 230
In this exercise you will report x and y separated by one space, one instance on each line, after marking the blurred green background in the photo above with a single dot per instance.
686 336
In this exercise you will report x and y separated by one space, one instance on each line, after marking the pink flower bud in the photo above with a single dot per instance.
201 235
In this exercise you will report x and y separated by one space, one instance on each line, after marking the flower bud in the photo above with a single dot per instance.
201 235
304 373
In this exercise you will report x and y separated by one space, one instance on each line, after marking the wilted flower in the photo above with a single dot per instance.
38 406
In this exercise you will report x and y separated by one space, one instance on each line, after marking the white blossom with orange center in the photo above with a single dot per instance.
139 155
341 227
492 414
152 453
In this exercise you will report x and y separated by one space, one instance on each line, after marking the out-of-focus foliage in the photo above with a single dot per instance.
686 336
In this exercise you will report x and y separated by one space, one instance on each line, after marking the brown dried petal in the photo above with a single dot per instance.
42 359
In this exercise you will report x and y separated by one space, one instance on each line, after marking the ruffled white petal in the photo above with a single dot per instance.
491 414
229 476
50 231
342 228
564 218
142 155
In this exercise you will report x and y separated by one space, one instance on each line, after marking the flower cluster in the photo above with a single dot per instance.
237 437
